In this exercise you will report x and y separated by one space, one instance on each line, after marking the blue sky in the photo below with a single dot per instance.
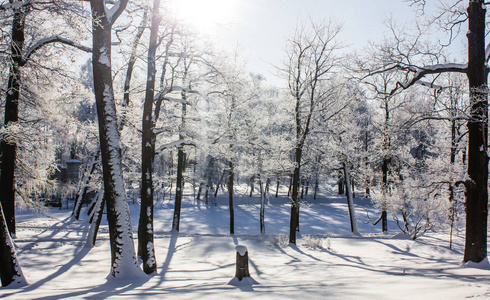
261 27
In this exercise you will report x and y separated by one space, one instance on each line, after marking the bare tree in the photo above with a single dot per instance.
145 229
477 72
310 60
19 56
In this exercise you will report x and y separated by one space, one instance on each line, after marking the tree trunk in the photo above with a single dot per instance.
384 219
218 183
179 187
82 191
199 190
96 219
350 201
262 206
294 222
302 188
10 272
477 188
252 179
123 257
8 148
307 181
315 191
230 198
353 188
340 184
277 187
146 249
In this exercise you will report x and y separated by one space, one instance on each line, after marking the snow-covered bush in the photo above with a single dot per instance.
280 240
313 242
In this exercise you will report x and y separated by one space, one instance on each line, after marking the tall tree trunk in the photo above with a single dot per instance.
252 180
10 272
452 160
181 157
294 222
230 196
350 201
179 188
277 187
477 187
123 257
262 206
8 148
315 191
340 184
384 218
146 249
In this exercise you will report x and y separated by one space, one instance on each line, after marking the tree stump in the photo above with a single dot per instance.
241 262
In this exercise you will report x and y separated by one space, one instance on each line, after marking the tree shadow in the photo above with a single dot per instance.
76 259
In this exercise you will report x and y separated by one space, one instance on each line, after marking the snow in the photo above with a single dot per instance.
241 249
245 282
199 261
484 264
104 59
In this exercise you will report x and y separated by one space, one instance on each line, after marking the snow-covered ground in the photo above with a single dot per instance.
199 262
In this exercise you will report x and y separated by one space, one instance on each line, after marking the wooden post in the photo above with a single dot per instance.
241 262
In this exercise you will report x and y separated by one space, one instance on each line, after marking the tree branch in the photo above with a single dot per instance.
50 40
427 70
116 11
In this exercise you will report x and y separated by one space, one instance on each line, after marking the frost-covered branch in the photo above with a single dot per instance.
176 144
421 72
50 40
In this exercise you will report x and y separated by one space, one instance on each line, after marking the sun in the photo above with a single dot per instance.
205 15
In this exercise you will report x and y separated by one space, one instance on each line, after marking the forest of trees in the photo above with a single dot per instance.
151 110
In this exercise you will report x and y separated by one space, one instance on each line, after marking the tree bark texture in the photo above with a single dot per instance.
179 189
123 257
477 186
146 249
262 206
384 170
242 270
8 148
230 197
294 222
350 201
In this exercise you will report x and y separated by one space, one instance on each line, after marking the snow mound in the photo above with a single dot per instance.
246 281
241 249
483 265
